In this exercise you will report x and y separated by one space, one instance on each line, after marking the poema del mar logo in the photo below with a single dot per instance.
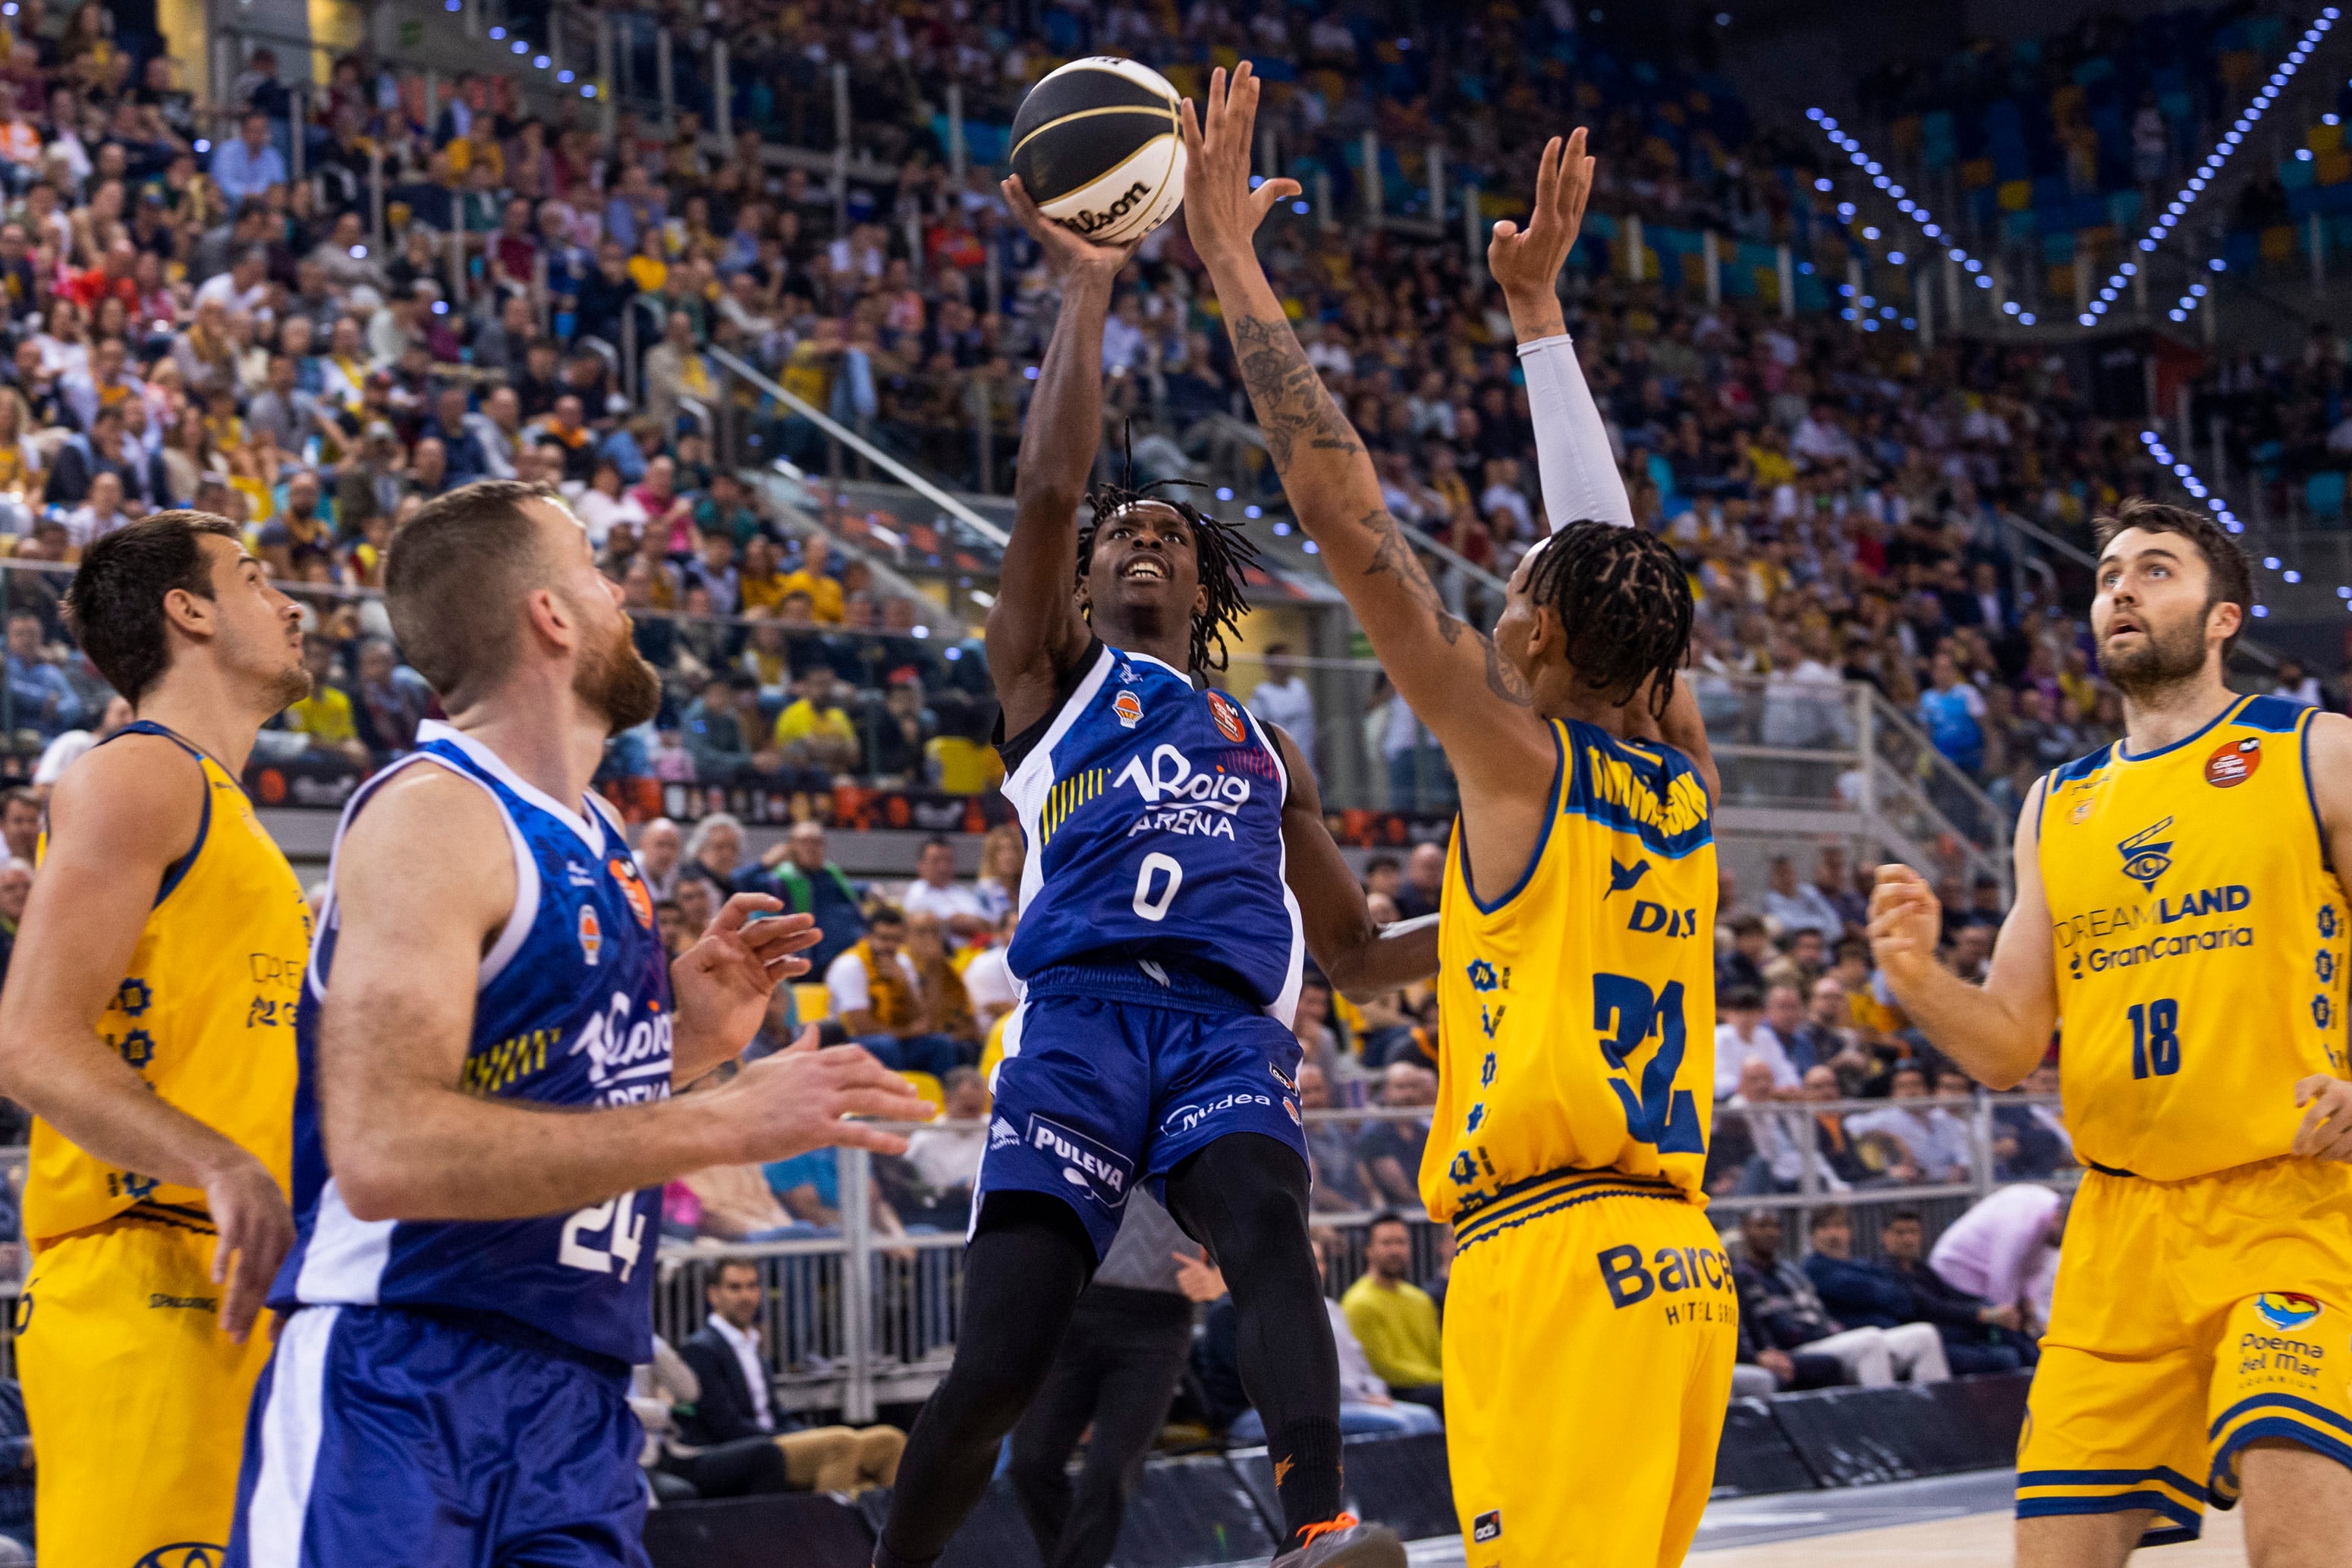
2286 1309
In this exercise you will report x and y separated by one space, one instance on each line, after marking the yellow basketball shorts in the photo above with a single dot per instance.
2192 1318
1591 1326
136 1398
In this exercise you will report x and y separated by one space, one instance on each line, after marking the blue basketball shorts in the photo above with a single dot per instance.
1113 1074
381 1438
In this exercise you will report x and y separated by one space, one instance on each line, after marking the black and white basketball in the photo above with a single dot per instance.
1097 147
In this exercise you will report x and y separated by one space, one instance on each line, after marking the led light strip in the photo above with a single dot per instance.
2209 170
1910 206
2154 441
517 45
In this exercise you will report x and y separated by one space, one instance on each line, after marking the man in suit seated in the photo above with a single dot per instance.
735 1403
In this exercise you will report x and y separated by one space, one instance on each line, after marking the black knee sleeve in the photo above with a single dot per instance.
1244 1197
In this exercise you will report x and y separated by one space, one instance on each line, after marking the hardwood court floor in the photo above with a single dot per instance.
1952 1522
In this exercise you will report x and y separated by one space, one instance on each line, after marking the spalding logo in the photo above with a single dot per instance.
184 1554
1095 223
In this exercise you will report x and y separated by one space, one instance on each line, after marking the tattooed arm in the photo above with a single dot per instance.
1448 671
1034 630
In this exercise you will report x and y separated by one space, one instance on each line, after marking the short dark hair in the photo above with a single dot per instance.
939 842
115 604
451 579
1742 999
719 1274
2228 580
1382 863
1387 1217
1831 1214
1913 1215
885 914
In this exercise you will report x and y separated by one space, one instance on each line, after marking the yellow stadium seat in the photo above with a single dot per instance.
2278 243
814 1001
2333 167
928 1088
2015 195
2324 138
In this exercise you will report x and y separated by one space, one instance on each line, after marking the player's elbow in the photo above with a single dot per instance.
373 1182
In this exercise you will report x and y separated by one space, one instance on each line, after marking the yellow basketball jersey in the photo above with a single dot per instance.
206 1013
1577 1013
2200 939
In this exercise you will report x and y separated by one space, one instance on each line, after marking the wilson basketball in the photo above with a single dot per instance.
1097 146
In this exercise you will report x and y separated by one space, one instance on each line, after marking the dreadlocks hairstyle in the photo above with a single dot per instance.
1624 601
1224 552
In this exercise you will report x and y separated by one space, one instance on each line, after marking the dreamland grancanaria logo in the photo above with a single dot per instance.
2286 1309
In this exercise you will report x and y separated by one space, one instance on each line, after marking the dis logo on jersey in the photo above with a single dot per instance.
641 903
2286 1309
2146 857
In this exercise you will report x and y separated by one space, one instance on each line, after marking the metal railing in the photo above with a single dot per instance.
854 1315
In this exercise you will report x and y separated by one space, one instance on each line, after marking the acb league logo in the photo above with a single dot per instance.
1229 718
2233 762
2286 1309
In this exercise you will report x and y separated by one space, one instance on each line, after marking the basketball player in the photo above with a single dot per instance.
149 1024
1590 1323
2179 907
1174 841
489 1036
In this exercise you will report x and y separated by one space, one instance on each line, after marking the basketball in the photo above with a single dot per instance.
1096 145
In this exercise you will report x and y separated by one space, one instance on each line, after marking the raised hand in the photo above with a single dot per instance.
722 983
1526 263
1066 250
1906 922
1221 211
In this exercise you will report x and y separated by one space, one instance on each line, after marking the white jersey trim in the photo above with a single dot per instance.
345 1260
587 827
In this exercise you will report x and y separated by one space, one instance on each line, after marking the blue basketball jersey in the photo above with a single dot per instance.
1153 815
571 1008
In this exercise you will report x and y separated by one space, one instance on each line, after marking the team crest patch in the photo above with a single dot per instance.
1128 708
2146 856
641 903
1488 1526
1229 718
592 935
2286 1309
2233 762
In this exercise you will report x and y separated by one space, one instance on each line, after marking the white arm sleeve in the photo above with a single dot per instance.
1573 453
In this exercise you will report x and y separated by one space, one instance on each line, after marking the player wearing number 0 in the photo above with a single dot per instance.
488 1041
1591 1325
1174 842
2179 920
